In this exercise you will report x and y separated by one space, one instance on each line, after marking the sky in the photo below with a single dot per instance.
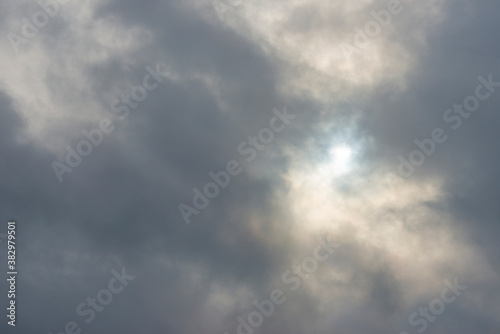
240 167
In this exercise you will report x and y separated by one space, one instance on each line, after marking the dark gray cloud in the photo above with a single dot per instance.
400 238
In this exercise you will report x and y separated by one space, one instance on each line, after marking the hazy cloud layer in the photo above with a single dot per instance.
330 173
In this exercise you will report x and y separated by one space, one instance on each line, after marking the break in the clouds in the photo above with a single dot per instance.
114 113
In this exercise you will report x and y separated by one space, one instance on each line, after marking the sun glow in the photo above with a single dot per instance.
341 157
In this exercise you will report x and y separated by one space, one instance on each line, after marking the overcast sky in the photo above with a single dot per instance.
364 131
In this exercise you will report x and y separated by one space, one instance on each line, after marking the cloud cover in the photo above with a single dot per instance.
401 238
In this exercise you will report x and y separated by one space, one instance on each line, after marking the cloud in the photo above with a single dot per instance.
401 238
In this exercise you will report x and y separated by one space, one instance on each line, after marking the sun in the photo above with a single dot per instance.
341 157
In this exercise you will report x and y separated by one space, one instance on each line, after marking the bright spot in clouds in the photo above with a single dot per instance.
341 157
